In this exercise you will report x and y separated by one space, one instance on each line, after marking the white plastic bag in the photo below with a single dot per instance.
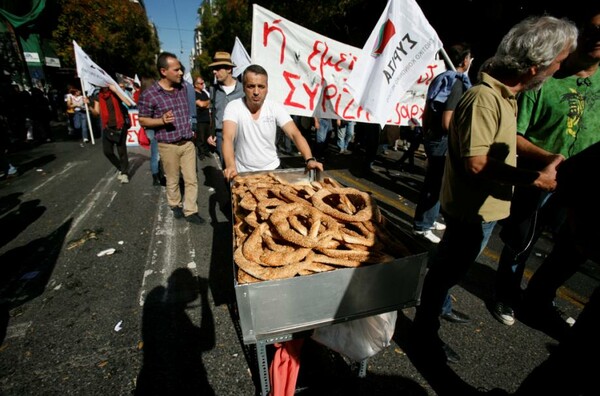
358 339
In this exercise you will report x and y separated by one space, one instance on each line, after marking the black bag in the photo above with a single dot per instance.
113 134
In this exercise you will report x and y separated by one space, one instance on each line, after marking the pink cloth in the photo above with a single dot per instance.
285 367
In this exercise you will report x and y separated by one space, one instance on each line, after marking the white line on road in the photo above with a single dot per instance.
68 166
87 204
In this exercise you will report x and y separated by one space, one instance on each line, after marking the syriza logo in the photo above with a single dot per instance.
386 33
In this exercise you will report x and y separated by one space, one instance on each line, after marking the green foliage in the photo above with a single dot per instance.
347 21
114 33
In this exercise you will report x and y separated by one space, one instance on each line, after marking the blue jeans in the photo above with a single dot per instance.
457 251
324 128
428 206
80 122
345 134
154 156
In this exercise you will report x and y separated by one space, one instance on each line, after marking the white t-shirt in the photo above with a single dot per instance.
254 145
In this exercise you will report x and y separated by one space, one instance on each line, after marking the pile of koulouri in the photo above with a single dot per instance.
284 230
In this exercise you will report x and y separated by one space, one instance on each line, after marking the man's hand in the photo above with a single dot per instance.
230 173
547 178
168 117
314 164
212 140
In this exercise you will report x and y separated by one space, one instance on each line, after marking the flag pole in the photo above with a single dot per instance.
87 111
447 59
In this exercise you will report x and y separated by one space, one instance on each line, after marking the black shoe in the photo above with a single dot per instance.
456 317
177 212
432 349
549 319
195 219
155 179
451 355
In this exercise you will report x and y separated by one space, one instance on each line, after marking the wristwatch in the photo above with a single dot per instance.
310 159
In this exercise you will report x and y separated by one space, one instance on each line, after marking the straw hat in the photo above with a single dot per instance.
222 59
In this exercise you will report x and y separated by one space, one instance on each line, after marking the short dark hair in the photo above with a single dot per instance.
162 62
256 69
458 52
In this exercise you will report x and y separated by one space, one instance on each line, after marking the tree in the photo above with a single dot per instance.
348 21
114 33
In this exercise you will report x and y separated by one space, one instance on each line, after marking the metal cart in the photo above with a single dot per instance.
273 311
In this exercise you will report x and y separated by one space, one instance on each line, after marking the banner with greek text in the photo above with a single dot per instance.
400 47
134 128
308 72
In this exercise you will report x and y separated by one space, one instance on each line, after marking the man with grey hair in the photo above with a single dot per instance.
560 118
480 169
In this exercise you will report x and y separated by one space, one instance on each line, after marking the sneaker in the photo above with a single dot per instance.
430 236
549 319
195 219
177 212
124 178
86 140
438 226
504 313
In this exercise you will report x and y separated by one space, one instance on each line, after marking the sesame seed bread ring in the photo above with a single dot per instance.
280 219
327 200
269 273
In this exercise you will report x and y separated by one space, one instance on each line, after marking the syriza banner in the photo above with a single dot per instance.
308 73
400 47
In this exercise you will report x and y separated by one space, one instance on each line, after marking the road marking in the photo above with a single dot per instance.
17 330
68 167
81 211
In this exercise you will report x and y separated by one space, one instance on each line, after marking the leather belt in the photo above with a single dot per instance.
179 142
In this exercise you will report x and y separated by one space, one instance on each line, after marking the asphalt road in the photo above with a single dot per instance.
158 315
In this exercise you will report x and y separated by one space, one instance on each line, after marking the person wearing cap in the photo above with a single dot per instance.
227 89
250 129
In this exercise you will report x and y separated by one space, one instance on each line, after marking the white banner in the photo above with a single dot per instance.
134 128
90 72
308 71
400 47
239 57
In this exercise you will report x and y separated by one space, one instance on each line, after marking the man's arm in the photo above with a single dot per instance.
203 104
124 98
292 131
157 123
490 168
95 109
528 150
229 132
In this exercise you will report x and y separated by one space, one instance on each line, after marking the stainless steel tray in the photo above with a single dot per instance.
278 308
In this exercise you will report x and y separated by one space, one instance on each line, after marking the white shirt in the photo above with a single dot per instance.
254 144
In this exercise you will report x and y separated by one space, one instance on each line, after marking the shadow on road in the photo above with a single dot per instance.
173 344
17 221
25 271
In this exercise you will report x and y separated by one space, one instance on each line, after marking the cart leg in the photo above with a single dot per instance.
263 367
362 368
